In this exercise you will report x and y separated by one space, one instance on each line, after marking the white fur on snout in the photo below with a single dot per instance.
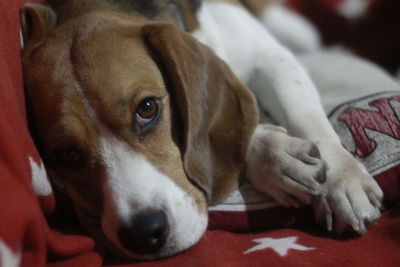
133 185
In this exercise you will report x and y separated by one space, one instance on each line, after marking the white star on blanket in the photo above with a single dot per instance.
40 183
280 245
8 257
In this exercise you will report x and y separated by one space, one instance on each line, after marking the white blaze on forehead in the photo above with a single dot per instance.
130 178
133 185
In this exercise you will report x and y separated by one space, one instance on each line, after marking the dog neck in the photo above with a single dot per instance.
179 12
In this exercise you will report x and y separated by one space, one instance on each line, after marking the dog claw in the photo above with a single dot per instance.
355 226
314 152
323 211
328 214
321 175
369 223
374 200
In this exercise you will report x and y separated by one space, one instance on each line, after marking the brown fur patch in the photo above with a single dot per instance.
233 2
217 110
256 7
188 12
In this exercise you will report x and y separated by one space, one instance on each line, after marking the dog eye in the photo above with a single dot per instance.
69 158
147 111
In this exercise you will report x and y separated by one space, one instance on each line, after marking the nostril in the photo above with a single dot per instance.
158 233
146 233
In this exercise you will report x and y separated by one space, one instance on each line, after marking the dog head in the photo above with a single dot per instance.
144 125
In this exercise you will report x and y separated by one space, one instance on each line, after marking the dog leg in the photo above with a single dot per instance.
284 89
350 194
288 169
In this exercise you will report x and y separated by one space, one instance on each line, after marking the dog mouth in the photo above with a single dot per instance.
155 232
147 245
152 237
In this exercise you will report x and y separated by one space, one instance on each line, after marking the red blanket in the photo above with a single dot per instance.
287 247
33 234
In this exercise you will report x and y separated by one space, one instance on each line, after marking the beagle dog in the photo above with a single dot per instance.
140 110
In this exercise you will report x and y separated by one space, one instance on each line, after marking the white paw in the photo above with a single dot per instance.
350 199
286 168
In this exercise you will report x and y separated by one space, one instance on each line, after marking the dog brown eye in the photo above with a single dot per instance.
147 108
147 111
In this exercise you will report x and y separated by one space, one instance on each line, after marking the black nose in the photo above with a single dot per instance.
146 233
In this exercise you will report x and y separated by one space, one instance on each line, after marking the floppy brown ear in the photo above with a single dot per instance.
218 112
36 21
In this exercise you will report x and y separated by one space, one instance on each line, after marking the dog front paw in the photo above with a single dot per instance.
350 199
288 169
